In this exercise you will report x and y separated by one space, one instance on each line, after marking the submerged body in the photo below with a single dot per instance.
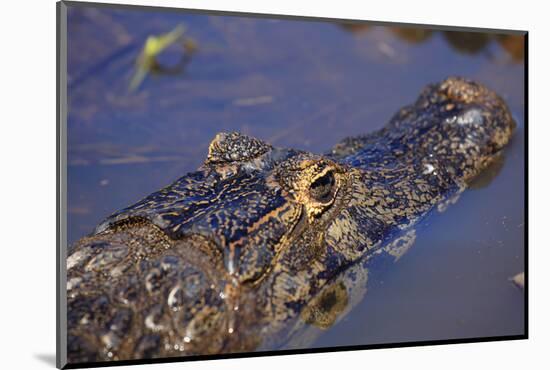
261 243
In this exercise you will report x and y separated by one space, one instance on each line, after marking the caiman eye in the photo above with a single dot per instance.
322 189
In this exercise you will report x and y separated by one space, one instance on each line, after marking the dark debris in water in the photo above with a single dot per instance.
463 42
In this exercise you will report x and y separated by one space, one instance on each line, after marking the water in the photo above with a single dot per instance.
304 85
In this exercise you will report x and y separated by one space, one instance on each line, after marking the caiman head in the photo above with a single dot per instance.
264 230
247 204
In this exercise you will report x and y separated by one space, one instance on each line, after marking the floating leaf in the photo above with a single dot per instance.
154 45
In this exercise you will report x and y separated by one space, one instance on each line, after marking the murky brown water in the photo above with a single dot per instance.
306 85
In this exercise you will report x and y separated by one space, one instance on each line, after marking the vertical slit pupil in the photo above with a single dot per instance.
321 188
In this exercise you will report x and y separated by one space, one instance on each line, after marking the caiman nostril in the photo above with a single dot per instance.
461 90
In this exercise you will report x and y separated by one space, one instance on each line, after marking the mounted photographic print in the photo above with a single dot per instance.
235 184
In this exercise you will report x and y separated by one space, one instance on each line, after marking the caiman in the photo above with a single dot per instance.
262 243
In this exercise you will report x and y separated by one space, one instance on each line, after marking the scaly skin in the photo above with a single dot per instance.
259 241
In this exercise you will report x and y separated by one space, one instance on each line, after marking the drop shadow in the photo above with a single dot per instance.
47 358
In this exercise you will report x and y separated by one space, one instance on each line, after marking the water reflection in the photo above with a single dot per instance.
325 309
463 42
489 174
330 306
338 298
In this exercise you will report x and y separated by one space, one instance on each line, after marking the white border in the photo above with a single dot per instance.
28 181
